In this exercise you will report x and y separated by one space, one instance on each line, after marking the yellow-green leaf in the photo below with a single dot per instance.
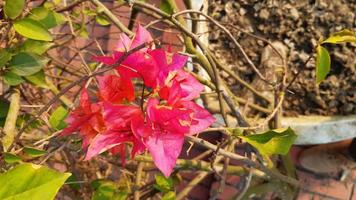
29 181
276 141
36 46
167 7
11 158
13 8
5 56
163 184
102 20
13 79
57 118
322 63
38 79
107 190
48 18
341 36
171 195
32 29
26 64
32 152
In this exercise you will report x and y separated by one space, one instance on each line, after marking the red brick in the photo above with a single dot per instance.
326 186
233 180
294 153
304 196
352 175
353 193
229 192
199 192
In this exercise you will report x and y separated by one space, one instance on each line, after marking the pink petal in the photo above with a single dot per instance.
75 120
201 118
181 87
191 88
84 101
165 149
103 142
119 116
178 61
140 65
115 89
124 44
88 133
167 118
140 129
138 147
141 36
107 60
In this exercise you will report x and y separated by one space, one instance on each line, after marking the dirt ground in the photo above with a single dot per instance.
299 25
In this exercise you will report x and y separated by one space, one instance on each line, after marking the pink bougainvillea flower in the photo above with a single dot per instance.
115 141
119 116
115 89
164 128
118 122
168 118
167 62
141 36
136 65
160 124
163 145
165 149
201 119
87 119
180 86
125 44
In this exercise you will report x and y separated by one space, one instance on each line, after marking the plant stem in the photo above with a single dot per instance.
138 180
10 123
113 18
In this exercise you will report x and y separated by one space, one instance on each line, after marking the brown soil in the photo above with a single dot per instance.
299 25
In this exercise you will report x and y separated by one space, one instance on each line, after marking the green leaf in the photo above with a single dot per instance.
163 184
276 141
102 20
13 8
171 195
82 30
32 152
5 56
341 36
29 181
26 64
57 118
166 7
322 63
38 79
36 46
48 18
236 132
84 33
93 65
22 119
13 79
32 29
107 190
4 107
11 158
72 181
89 12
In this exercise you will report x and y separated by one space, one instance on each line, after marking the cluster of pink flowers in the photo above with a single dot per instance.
157 123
